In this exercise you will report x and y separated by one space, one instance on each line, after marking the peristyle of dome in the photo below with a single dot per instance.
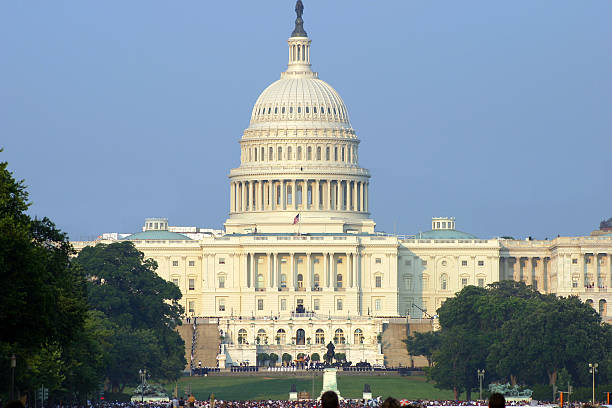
157 235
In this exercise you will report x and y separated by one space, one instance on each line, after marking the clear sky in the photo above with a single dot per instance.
496 112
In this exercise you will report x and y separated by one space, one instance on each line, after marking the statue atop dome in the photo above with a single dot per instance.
299 22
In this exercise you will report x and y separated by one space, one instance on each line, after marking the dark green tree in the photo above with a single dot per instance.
423 344
273 358
142 310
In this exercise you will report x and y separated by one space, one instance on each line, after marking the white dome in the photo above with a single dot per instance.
302 100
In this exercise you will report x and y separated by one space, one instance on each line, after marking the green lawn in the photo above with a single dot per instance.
277 387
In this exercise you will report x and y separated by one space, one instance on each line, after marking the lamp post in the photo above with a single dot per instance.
13 365
481 374
143 376
593 370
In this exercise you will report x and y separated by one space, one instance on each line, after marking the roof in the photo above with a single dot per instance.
157 235
445 234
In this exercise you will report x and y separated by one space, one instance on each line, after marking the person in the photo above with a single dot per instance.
329 399
390 403
191 401
496 400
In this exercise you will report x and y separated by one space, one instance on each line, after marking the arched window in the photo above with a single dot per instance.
336 153
322 110
358 337
343 153
279 154
327 155
289 153
260 281
319 337
300 280
263 151
603 307
318 152
339 280
299 153
271 153
299 56
275 110
255 150
299 109
309 153
314 109
281 336
300 337
221 280
291 109
307 110
262 337
283 110
242 336
339 337
444 281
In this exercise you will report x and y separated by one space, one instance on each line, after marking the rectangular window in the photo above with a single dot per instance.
480 263
379 281
221 281
260 304
574 283
464 282
191 284
575 260
222 305
407 283
463 263
191 306
338 304
221 261
174 263
316 304
481 282
408 262
424 262
283 304
175 281
191 263
378 260
377 305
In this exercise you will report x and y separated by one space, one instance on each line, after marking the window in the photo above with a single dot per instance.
316 304
174 263
327 153
300 281
222 305
279 154
481 282
463 263
289 153
335 153
318 153
575 260
175 281
407 262
358 337
464 282
281 336
309 153
221 261
260 281
574 283
260 305
191 306
343 150
339 304
316 280
191 284
191 263
480 263
283 304
408 282
339 337
283 281
271 153
378 260
444 282
262 337
299 153
319 337
377 304
221 281
424 262
378 281
242 336
339 280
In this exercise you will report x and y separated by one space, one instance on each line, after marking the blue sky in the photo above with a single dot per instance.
497 113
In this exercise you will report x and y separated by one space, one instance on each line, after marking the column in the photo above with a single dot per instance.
283 189
292 284
242 195
271 195
583 265
366 204
260 199
308 275
354 201
325 282
293 194
250 200
516 269
270 270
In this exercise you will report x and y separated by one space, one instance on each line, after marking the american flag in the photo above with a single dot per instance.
296 219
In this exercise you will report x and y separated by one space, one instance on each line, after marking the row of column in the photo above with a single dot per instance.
531 270
274 277
324 195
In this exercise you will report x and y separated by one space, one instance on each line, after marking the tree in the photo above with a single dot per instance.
423 344
340 357
273 358
262 358
142 310
286 358
315 357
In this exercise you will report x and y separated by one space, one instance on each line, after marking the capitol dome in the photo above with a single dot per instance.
304 99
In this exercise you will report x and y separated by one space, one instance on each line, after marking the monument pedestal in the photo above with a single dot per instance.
330 381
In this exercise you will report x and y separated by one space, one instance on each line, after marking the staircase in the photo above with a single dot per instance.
393 347
201 343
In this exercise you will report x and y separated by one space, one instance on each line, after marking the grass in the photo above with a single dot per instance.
277 387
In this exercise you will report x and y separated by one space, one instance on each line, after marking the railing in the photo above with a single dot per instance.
260 289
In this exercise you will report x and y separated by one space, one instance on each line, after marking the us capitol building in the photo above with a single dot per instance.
299 263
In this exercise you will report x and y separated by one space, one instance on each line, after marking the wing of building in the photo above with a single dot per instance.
299 263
